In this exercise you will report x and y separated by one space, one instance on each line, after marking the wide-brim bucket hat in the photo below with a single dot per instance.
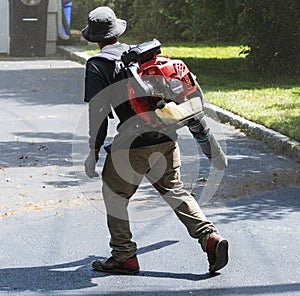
103 25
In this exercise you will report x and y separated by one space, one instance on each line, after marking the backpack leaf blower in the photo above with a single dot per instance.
166 96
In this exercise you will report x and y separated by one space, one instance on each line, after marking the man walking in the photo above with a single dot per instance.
125 167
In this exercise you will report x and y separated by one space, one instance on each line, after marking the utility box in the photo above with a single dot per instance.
28 27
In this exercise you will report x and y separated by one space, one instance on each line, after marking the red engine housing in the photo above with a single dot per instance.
161 67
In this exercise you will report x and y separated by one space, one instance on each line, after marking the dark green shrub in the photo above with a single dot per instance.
272 32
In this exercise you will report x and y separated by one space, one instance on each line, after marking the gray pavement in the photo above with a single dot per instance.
52 217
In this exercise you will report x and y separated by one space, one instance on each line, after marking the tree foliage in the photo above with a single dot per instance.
272 32
81 8
170 20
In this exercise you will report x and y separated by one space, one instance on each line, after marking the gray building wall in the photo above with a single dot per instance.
52 31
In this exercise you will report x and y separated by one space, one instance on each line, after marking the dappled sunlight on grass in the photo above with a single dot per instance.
203 52
276 108
196 51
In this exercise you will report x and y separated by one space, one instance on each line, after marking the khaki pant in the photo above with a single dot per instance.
160 164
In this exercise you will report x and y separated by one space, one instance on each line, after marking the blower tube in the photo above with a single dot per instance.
208 143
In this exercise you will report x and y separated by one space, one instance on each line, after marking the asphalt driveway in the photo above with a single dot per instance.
52 220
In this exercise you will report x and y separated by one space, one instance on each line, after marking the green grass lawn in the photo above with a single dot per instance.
226 82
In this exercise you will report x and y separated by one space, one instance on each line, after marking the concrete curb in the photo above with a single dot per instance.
73 53
280 143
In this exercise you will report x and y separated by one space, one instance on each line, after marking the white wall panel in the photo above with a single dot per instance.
4 26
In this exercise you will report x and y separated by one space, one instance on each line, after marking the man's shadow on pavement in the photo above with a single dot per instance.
75 275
